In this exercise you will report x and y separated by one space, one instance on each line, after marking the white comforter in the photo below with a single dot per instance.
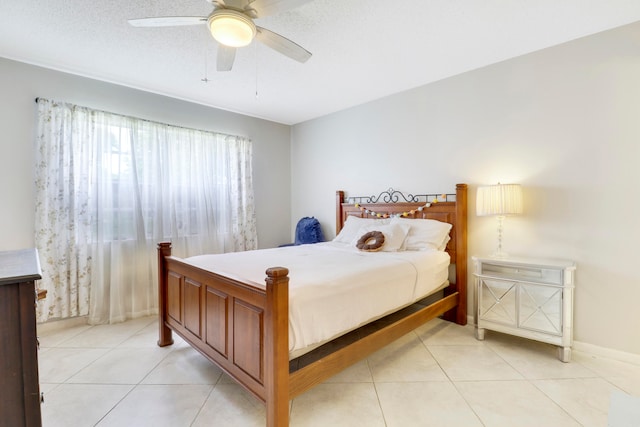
335 288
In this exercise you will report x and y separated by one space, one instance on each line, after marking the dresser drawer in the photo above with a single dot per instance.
524 273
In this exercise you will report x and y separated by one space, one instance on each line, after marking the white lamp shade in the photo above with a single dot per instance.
231 28
500 199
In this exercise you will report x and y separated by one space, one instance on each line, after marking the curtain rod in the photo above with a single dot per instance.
160 123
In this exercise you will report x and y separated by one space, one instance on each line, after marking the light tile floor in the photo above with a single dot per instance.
438 375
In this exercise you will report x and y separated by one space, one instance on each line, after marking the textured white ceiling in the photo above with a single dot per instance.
362 49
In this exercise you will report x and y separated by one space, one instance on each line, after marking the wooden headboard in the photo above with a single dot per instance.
451 208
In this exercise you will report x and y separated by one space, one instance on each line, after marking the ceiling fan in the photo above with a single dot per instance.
231 24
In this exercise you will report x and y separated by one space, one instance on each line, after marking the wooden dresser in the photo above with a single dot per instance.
20 390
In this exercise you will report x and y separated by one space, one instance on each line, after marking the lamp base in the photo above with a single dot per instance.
499 254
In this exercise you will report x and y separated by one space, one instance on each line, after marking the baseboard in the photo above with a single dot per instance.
596 350
610 353
62 324
577 345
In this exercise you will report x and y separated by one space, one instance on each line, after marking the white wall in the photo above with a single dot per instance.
20 84
564 122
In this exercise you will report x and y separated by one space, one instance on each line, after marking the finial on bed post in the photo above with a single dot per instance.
165 336
277 347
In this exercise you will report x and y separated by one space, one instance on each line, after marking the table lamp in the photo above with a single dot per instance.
499 200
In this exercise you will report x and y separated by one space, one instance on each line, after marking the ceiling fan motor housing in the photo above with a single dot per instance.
231 28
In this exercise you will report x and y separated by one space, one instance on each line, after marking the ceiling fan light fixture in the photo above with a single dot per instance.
231 28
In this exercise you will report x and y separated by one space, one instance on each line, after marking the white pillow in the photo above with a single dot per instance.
394 235
443 245
425 234
352 226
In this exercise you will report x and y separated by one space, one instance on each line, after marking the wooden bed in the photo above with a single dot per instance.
243 327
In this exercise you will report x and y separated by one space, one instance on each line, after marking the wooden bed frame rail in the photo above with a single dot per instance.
243 327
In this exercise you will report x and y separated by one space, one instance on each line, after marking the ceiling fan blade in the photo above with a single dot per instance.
271 7
168 21
226 56
282 44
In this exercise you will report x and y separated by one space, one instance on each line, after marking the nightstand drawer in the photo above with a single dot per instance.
531 274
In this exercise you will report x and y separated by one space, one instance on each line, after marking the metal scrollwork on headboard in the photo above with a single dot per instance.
394 196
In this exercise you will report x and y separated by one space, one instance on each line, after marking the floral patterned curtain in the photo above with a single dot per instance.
110 187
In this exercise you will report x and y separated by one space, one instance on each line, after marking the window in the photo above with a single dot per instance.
110 187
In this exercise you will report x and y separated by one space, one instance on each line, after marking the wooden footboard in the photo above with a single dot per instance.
243 327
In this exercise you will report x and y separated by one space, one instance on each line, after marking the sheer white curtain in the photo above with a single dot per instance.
110 187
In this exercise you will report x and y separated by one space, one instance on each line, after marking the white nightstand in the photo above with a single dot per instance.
531 298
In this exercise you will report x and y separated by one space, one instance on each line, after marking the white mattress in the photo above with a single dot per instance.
334 287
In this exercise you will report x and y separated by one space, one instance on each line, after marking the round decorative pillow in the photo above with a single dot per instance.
371 241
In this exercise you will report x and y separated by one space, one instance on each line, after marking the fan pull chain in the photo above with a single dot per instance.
256 56
206 73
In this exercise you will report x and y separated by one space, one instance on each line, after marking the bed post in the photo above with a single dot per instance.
461 253
277 347
165 336
339 201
